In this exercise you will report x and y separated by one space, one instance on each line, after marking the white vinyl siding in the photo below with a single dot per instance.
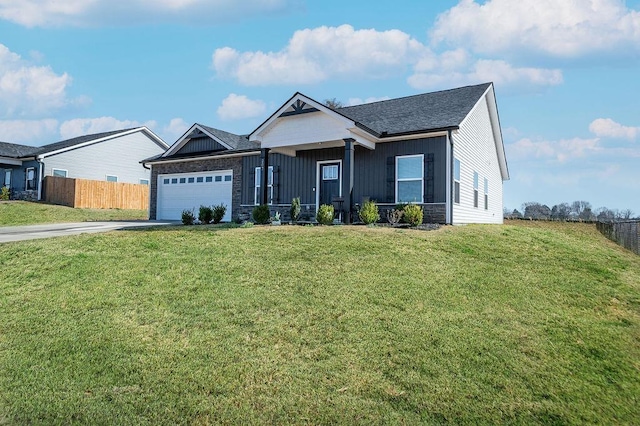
410 179
474 145
119 156
258 179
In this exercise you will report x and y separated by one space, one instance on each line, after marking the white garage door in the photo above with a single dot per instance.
188 191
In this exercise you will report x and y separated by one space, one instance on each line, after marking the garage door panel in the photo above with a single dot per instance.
188 191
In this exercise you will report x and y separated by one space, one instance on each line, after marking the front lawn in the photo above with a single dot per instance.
350 325
13 213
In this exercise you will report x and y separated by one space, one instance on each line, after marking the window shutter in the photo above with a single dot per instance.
276 185
391 180
428 178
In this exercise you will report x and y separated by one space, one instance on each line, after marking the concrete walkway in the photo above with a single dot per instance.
31 232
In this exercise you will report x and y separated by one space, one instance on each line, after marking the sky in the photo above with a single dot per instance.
566 73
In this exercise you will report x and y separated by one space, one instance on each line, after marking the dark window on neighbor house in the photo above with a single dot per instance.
30 179
475 189
112 178
145 181
410 179
269 185
486 194
456 181
7 178
59 172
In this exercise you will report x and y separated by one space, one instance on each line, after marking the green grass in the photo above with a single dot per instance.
13 213
522 323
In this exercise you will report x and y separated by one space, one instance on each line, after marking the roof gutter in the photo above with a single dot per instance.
209 157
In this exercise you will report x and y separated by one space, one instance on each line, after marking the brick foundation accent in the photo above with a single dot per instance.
31 195
234 164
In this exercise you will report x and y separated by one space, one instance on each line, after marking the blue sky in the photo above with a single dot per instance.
566 73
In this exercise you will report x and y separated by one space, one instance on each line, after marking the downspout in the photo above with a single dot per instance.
450 182
40 177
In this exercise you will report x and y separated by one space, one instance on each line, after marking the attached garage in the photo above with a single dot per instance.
188 191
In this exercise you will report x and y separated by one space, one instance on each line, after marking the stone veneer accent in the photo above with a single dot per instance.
230 163
29 195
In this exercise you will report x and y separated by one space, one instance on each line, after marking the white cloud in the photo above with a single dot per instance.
86 126
359 101
315 55
562 150
500 72
176 128
567 28
28 132
236 107
82 13
27 89
607 128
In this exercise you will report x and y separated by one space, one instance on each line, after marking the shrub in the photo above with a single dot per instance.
218 212
205 214
394 216
4 193
295 209
325 214
261 214
188 218
369 213
413 214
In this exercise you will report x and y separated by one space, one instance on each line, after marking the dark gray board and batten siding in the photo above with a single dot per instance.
374 176
201 144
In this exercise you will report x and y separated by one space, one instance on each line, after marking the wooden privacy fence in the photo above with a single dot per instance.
95 194
627 234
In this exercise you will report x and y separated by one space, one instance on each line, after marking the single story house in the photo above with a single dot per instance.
441 150
112 156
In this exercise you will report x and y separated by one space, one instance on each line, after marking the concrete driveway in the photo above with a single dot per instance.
31 232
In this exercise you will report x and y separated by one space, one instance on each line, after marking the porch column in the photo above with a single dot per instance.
347 178
264 178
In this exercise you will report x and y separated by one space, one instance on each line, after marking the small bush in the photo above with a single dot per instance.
218 213
325 214
394 216
4 193
188 218
413 214
261 214
369 213
295 209
205 214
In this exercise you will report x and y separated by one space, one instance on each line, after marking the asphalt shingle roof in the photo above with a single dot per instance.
430 111
77 141
236 142
14 150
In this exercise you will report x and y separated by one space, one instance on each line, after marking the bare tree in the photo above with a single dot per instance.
333 103
561 211
535 210
578 207
626 214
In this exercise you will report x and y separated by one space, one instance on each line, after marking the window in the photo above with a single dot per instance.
227 178
200 179
456 181
486 194
166 181
146 181
7 178
183 180
59 172
410 179
174 180
30 178
269 185
112 178
192 180
475 189
209 179
218 178
330 172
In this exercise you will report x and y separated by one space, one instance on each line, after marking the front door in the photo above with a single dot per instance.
329 182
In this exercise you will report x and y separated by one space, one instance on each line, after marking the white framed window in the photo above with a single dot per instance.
475 188
258 180
330 172
59 172
7 178
456 181
112 178
146 181
30 175
486 194
410 179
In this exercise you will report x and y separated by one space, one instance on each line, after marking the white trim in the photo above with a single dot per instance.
66 172
318 164
143 129
185 138
106 177
10 161
399 157
26 178
209 157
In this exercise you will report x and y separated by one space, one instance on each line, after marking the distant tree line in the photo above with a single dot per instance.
578 210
